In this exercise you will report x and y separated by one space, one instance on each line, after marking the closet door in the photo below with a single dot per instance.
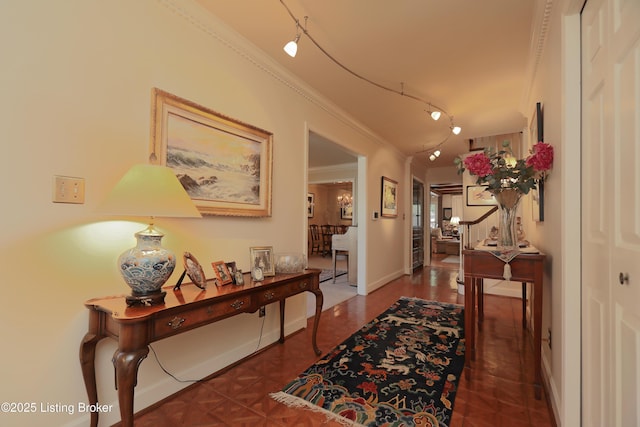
611 213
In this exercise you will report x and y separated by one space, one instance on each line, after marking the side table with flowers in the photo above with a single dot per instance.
508 178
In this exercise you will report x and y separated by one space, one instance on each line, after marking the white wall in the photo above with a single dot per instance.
76 89
556 85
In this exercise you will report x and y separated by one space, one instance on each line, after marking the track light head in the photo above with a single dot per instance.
456 130
432 157
435 115
292 47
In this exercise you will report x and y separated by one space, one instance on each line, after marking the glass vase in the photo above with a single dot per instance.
508 200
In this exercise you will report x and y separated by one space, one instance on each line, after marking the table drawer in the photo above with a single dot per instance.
172 324
301 286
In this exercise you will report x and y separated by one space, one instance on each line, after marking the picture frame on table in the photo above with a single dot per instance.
389 198
231 266
225 165
194 270
222 273
478 195
262 257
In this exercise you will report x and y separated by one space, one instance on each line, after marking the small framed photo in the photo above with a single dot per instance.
222 273
239 278
477 195
389 198
262 258
194 270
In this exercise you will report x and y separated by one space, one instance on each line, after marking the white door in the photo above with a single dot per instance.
611 213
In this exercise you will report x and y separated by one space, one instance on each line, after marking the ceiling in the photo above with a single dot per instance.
469 58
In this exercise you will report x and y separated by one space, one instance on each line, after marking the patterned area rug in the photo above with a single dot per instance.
401 369
328 274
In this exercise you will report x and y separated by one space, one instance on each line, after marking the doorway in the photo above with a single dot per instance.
332 179
417 225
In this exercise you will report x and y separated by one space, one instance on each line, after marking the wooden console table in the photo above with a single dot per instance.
525 268
190 307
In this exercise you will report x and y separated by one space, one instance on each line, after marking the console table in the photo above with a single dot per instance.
187 308
525 268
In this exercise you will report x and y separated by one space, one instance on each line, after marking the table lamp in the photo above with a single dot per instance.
152 191
455 223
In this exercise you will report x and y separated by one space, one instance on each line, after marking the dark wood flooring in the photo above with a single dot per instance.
498 393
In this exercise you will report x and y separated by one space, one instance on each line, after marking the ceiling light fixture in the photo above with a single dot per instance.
434 110
292 47
435 114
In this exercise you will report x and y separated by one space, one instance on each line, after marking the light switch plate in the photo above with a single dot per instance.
68 189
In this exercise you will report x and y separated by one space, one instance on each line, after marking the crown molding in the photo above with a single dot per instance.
540 30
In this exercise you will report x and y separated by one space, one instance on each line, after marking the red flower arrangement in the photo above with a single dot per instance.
500 170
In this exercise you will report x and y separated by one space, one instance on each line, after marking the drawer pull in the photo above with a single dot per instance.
176 322
237 304
303 285
269 295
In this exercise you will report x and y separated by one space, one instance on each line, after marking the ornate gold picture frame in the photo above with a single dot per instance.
225 165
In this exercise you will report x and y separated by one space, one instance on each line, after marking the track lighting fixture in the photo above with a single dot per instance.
435 114
434 155
292 47
434 111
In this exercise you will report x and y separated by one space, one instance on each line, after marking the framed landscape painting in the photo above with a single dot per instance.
225 165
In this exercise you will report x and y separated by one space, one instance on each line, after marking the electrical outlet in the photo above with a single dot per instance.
262 312
67 189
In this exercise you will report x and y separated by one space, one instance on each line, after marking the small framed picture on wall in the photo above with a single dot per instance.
389 198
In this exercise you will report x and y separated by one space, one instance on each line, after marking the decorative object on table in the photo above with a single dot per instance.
401 369
508 178
389 198
222 273
310 204
148 191
231 266
239 278
194 270
493 234
521 235
262 257
256 274
290 262
225 165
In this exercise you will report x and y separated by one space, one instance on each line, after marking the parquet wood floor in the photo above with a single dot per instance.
498 393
